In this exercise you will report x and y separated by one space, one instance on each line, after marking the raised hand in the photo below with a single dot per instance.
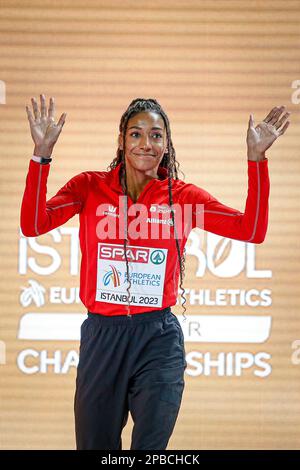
44 130
261 137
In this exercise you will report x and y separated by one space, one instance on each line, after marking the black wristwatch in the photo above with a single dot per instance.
42 160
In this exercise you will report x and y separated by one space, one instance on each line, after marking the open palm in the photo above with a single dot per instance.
44 130
261 137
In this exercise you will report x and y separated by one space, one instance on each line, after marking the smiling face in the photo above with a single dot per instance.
146 141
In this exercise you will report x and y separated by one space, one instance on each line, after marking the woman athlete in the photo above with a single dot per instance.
132 355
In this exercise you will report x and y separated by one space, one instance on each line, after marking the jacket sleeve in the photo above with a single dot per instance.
39 216
250 225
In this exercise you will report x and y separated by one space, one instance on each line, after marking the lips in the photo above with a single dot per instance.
144 155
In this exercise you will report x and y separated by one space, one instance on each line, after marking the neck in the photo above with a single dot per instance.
137 180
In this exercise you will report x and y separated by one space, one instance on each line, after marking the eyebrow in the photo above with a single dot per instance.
137 127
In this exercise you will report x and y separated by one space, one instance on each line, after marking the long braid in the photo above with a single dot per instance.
181 259
168 161
124 185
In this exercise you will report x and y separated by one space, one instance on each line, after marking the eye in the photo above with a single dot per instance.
157 133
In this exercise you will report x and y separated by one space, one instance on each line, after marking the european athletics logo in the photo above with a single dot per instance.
113 276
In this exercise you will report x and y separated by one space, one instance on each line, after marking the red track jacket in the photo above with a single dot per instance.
153 261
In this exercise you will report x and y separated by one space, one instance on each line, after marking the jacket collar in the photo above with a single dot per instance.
115 176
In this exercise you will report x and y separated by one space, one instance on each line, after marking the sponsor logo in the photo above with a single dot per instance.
157 257
111 211
151 220
117 253
112 276
160 209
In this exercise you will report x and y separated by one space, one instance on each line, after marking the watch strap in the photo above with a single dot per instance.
42 160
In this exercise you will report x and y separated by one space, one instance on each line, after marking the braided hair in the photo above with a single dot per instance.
168 161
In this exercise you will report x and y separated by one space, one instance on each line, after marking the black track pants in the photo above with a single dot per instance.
127 364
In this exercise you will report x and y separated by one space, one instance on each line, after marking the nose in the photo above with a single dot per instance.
145 143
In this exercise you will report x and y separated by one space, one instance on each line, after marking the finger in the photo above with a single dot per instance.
276 115
251 121
35 108
62 120
51 110
281 121
282 131
43 106
271 113
29 115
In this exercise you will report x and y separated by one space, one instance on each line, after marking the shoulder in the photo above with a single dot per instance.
91 176
84 182
190 192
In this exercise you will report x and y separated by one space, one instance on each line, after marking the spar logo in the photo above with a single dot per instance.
112 276
117 253
157 257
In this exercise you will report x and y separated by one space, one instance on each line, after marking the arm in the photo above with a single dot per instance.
39 216
250 225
